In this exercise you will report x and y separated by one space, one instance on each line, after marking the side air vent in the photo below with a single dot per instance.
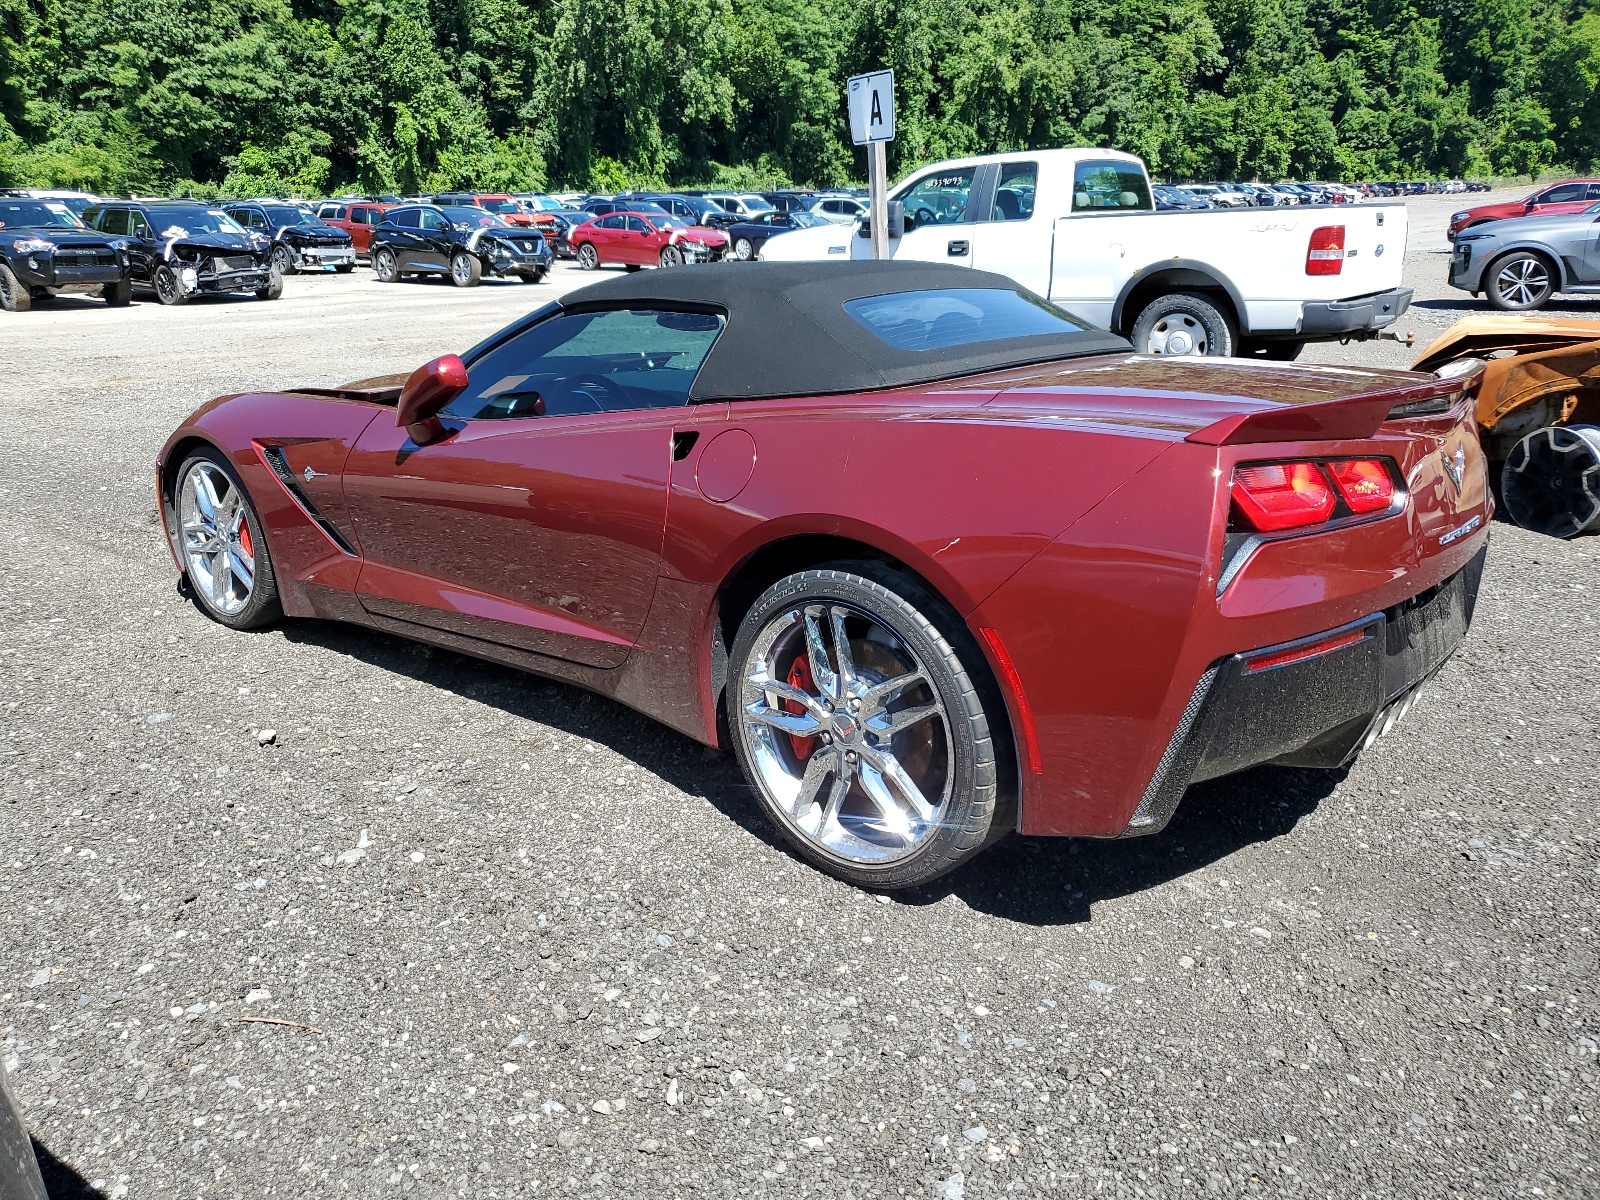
279 462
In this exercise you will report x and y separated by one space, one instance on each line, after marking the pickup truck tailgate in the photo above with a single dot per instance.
1373 236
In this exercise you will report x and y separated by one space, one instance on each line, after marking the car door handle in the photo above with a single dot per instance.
957 248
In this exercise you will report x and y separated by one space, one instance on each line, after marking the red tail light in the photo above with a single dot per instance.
1365 484
1277 496
1325 254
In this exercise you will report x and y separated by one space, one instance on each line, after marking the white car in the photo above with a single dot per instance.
1079 228
740 204
1221 197
839 210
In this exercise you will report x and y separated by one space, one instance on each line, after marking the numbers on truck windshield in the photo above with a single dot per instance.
939 199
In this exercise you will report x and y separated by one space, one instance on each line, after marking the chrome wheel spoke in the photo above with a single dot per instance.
886 693
841 649
891 816
888 768
821 671
887 724
243 566
221 579
799 724
205 496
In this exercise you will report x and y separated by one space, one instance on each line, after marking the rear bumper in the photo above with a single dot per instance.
1316 711
1331 318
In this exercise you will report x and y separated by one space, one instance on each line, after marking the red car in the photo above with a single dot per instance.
935 560
1572 196
644 240
507 208
355 217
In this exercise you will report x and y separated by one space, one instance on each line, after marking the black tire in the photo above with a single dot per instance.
630 268
13 296
1551 481
119 294
465 269
1273 351
588 257
974 811
1169 323
274 287
263 606
670 256
1520 281
282 259
743 249
345 268
532 276
168 289
385 265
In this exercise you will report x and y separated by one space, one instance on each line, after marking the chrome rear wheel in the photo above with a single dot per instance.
860 729
220 542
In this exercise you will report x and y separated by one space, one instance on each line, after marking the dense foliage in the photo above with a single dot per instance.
306 96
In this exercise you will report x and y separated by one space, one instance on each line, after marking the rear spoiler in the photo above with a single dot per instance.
1348 419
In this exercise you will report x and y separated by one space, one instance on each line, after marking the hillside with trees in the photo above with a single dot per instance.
312 96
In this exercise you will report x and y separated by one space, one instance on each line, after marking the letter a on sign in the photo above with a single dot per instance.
871 100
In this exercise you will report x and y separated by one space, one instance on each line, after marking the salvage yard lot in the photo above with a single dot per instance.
461 931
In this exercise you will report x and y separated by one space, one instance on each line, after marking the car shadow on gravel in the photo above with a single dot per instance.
1467 306
1057 881
1039 881
61 1182
669 755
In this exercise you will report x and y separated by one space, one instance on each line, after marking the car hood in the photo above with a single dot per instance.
211 241
1525 226
58 234
313 236
1176 397
803 245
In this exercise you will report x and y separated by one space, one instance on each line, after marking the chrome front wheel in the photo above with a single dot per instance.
220 541
860 729
1521 282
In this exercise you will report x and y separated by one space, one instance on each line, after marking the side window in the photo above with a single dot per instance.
636 225
137 226
830 206
1013 198
1100 185
411 218
607 223
114 220
1594 192
431 219
1566 193
614 361
937 199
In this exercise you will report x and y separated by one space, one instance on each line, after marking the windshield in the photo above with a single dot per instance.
287 214
755 204
16 214
668 222
806 220
173 221
460 214
501 206
541 204
934 320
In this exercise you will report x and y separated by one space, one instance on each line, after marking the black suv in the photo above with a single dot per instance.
300 241
183 248
45 250
461 242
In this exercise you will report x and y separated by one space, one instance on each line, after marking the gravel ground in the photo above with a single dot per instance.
463 932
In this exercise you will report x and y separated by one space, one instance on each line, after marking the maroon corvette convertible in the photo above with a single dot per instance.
933 559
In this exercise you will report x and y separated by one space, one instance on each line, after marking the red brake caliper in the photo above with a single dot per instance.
800 677
245 543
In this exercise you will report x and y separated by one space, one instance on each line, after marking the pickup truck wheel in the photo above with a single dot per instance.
118 294
13 296
1183 324
1520 281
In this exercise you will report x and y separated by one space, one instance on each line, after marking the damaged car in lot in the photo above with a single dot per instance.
180 249
299 241
46 251
1538 412
1110 575
464 244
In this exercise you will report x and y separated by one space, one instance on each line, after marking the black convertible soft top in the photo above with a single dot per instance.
788 333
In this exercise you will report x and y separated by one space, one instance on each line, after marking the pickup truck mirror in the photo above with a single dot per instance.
897 222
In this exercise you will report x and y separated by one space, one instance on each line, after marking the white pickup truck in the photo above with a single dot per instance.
1078 227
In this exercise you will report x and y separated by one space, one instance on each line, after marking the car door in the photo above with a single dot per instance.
1008 239
434 246
142 249
537 523
402 233
937 215
606 233
1563 197
642 242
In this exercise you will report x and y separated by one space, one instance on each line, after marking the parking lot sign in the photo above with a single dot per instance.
871 107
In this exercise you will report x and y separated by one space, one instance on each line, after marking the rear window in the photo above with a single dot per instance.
1100 184
934 320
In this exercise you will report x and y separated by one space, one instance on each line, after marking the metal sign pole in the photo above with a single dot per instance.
878 184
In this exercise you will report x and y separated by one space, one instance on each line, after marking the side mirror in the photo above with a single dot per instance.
897 219
431 386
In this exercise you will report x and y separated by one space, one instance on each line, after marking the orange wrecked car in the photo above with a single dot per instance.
1538 412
